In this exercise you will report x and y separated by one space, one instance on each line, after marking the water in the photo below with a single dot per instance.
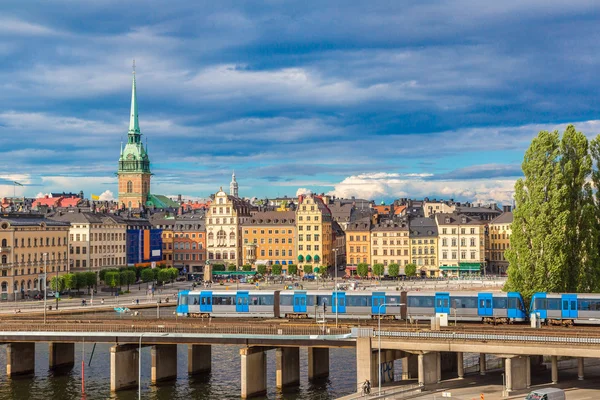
222 383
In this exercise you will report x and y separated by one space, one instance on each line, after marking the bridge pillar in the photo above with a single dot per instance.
61 355
580 368
287 360
318 362
428 368
199 358
461 365
364 361
164 362
123 367
554 369
20 359
516 369
254 371
410 367
482 364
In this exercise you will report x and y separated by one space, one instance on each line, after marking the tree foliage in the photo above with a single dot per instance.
292 269
307 269
112 278
57 283
410 270
393 270
276 269
555 234
247 267
127 277
147 275
231 268
261 269
378 269
362 269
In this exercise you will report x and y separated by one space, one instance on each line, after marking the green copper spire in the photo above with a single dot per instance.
134 124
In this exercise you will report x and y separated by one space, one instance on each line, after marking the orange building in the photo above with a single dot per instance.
269 238
358 244
189 243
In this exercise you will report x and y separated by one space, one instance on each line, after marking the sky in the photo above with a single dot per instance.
373 99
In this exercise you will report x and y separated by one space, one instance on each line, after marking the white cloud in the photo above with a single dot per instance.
19 27
107 195
42 195
381 184
303 191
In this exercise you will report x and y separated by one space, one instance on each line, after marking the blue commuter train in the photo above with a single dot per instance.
463 306
566 308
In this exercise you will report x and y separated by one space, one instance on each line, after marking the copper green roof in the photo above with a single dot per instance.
160 201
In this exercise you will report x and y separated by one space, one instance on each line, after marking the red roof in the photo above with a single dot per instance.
57 201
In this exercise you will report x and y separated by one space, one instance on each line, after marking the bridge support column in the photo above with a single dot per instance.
164 362
580 374
61 355
123 367
364 361
461 365
254 371
428 368
516 369
318 362
482 364
410 367
199 358
287 360
528 372
20 359
554 369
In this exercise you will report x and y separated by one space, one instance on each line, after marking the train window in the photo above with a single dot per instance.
421 301
393 299
184 300
589 305
464 302
553 304
194 300
358 301
203 301
285 300
263 300
323 300
223 300
500 302
540 304
310 300
513 303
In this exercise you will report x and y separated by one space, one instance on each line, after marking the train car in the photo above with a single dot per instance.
566 308
484 307
228 303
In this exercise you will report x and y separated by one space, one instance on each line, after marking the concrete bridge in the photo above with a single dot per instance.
425 354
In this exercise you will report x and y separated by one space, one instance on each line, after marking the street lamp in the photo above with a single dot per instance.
379 339
140 364
45 274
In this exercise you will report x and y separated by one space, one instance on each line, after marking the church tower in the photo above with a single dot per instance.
233 186
134 165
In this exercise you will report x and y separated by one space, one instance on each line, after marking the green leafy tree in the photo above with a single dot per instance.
231 268
218 267
292 269
113 279
410 270
69 281
103 272
173 273
147 275
393 270
276 269
362 269
57 284
307 269
378 270
163 275
261 269
127 277
91 280
247 267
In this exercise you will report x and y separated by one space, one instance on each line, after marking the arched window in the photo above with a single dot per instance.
129 205
129 187
211 236
225 256
232 236
221 238
232 254
193 246
16 286
29 284
4 243
4 286
4 259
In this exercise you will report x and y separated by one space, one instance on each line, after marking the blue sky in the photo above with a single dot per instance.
377 99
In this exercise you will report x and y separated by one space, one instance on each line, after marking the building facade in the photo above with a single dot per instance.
499 235
143 243
390 244
134 164
270 238
315 234
189 243
358 244
223 229
424 246
166 223
461 244
32 249
432 207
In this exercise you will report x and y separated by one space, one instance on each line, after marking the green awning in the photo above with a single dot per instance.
234 272
300 258
449 267
470 266
308 258
316 258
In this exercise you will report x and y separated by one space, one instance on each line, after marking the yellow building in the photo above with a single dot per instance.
390 244
461 244
27 244
315 234
358 244
269 238
423 246
499 235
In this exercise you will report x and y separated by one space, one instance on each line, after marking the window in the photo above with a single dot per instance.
129 187
472 242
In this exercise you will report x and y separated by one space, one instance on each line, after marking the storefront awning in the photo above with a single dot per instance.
470 266
449 267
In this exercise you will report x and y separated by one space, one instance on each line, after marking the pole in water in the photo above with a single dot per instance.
82 377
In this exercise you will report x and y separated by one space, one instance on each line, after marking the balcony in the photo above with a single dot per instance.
5 249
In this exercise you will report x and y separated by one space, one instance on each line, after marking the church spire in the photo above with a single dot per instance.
233 186
134 125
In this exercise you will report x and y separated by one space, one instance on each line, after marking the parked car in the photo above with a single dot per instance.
50 293
546 394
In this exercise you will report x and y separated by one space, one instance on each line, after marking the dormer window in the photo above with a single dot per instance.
464 220
447 220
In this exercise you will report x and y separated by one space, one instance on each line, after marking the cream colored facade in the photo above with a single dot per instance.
97 241
437 207
499 235
27 245
461 240
315 234
424 246
390 244
223 229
